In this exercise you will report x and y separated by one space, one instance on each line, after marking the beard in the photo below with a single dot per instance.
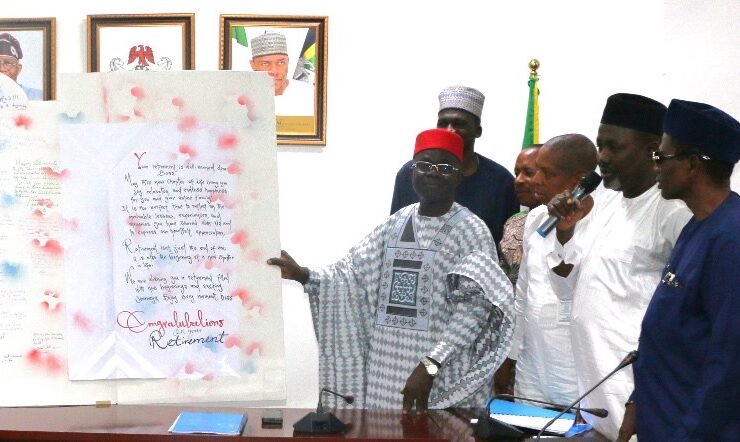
613 183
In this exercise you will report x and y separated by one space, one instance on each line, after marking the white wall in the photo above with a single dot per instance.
702 55
389 59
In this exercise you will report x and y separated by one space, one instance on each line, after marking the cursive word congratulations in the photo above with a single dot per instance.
133 322
157 340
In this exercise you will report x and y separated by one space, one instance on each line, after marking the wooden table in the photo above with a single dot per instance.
148 423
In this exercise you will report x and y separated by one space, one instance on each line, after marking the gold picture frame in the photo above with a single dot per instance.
35 70
140 42
300 95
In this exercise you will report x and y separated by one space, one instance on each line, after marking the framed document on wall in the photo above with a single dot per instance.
293 51
148 42
28 55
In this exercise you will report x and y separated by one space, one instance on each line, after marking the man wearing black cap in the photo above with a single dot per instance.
611 266
687 379
10 65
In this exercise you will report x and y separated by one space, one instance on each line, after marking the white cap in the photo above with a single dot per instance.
462 97
269 43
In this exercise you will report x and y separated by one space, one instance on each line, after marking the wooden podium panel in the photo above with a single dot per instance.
149 423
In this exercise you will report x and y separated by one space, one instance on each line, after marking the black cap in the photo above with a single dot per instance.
636 112
705 129
9 46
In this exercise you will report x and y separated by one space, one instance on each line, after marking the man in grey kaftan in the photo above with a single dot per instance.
423 286
463 306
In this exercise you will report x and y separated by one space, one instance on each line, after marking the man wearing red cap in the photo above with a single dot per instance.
487 188
418 313
10 64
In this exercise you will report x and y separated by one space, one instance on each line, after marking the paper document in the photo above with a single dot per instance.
191 422
530 417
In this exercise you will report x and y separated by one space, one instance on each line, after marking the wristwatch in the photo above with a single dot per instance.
431 366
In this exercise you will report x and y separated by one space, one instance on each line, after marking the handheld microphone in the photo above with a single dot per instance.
587 184
629 359
598 412
320 422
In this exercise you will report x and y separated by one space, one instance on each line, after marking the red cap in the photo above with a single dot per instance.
440 139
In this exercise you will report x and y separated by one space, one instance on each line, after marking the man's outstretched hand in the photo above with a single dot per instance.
289 269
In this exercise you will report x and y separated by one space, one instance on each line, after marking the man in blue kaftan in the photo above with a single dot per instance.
687 378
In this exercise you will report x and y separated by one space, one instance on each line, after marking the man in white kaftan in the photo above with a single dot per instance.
545 367
618 258
618 254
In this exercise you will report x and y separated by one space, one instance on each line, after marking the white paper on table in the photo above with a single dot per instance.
560 426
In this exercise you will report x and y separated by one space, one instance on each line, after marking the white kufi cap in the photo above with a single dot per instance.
269 43
462 97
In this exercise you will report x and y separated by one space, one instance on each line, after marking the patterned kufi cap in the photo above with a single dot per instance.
269 43
462 97
9 46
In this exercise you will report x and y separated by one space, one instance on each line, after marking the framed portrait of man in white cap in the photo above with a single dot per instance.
27 55
292 51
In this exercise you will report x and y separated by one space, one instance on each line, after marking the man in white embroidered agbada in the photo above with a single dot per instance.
611 264
418 314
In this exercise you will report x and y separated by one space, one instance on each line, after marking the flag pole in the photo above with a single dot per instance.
532 124
534 64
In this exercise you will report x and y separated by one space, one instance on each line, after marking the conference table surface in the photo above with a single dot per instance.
148 423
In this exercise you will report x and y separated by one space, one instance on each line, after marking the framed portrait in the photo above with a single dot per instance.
140 42
293 51
28 55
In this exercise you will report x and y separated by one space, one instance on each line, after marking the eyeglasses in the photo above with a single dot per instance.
8 63
442 169
659 157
